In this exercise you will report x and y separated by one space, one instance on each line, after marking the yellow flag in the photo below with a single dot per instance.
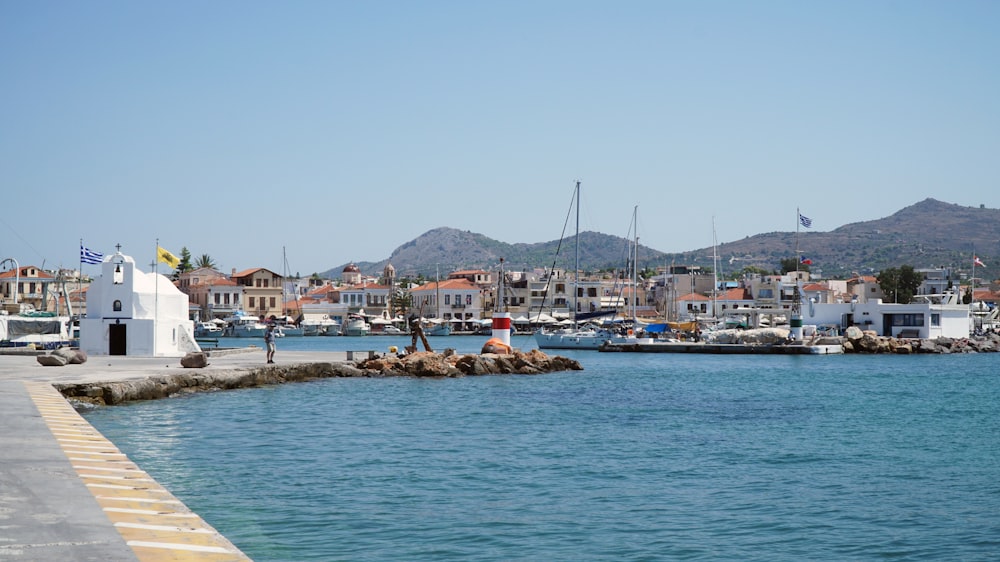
167 258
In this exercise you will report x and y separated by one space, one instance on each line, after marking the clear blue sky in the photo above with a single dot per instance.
341 130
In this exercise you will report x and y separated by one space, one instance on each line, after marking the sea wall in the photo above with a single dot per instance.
419 364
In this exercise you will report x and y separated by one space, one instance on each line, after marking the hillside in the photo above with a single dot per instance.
930 233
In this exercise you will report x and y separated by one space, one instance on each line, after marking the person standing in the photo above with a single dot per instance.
269 342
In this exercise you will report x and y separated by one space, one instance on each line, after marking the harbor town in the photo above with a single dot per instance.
52 308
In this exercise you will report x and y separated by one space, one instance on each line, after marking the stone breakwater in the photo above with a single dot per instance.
420 364
869 342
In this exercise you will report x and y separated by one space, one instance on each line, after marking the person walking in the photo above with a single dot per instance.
269 342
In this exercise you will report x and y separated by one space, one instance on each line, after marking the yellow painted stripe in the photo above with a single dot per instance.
155 524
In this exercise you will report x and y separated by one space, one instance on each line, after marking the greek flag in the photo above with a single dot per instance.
89 256
805 221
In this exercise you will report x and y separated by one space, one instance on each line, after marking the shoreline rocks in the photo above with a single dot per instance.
869 342
448 364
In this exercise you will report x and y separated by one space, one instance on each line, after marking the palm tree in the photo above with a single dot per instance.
205 261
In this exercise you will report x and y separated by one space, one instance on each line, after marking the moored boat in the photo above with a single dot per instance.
242 325
355 326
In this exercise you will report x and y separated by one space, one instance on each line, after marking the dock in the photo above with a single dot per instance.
67 493
724 348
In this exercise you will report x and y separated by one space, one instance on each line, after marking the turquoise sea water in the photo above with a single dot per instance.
638 457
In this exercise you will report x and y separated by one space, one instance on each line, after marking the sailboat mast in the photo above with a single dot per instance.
576 265
635 262
715 271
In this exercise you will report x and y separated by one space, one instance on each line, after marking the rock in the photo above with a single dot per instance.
428 364
72 356
51 360
194 360
868 343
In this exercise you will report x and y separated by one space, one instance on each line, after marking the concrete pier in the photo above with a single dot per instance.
67 493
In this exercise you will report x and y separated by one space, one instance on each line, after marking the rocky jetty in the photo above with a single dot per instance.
448 364
418 364
858 341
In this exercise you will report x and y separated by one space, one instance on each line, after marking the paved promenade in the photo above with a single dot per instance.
67 493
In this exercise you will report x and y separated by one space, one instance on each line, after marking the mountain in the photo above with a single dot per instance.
930 233
452 250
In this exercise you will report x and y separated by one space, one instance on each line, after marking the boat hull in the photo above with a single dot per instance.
572 340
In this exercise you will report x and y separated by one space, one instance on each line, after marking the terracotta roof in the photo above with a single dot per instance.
22 272
693 297
249 272
736 294
446 284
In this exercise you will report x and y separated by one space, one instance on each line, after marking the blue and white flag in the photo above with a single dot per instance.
805 221
89 256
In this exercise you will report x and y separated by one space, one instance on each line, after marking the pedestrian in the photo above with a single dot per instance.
269 342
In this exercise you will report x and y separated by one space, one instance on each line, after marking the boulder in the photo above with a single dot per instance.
51 360
195 360
853 333
72 356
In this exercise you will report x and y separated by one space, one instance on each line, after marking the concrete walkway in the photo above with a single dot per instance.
67 493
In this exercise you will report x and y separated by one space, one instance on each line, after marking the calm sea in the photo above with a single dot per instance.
637 457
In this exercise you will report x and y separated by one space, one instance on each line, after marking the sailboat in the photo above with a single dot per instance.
286 328
575 336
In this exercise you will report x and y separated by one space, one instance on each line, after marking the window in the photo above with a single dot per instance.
468 299
252 301
447 300
935 319
907 319
273 302
117 306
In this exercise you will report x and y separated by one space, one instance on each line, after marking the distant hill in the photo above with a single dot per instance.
930 233
452 250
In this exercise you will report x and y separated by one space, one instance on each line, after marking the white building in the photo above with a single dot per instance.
130 312
931 318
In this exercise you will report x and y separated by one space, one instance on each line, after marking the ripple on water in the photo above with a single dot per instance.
638 458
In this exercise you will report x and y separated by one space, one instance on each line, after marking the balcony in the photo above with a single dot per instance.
458 306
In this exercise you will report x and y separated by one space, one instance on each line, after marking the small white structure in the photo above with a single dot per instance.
130 312
931 316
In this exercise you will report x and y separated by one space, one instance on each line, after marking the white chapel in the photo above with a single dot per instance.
130 312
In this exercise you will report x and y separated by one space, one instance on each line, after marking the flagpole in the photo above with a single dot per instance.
156 298
972 280
798 220
79 277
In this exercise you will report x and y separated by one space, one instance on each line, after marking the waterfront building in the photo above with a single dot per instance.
26 285
460 302
261 291
134 313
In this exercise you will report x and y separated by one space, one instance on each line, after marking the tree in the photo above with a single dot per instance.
792 264
402 301
754 270
899 284
205 261
185 264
